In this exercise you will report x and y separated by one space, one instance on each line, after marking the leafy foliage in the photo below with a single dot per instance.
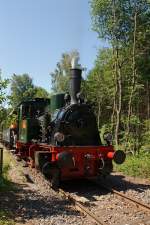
60 77
6 185
137 166
5 218
99 86
40 92
120 79
3 86
22 89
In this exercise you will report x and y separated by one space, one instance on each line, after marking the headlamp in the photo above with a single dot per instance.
58 136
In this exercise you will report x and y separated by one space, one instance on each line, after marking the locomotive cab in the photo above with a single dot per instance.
29 122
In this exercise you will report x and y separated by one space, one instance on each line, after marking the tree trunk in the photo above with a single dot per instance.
117 78
119 104
99 113
133 87
114 69
148 100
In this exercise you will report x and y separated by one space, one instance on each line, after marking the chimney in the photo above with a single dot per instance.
75 81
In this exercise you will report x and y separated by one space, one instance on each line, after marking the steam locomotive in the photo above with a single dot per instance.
59 136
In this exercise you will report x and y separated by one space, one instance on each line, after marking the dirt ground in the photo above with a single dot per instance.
30 205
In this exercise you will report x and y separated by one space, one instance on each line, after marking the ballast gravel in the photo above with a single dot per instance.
33 202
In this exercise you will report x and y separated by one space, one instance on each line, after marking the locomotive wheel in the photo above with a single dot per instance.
52 172
41 157
55 178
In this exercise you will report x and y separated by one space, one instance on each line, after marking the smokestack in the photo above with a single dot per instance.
75 81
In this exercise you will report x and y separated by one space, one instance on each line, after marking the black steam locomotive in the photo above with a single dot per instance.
60 136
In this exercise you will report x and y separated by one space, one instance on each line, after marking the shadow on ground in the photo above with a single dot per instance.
120 183
23 204
87 189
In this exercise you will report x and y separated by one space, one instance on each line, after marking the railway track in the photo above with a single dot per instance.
80 207
95 215
127 198
99 220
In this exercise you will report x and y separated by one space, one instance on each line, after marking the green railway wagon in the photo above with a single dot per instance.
29 113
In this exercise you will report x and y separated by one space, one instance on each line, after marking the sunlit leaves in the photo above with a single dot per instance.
23 89
61 75
3 86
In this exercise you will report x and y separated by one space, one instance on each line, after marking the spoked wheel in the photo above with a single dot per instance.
52 172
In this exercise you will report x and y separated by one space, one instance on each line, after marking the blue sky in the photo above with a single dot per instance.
34 34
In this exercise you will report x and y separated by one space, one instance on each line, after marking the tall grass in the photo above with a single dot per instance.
5 185
5 218
137 166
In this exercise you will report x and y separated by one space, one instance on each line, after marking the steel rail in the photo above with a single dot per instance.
81 207
132 200
68 196
147 207
92 215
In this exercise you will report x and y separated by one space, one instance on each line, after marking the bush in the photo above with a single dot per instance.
137 166
5 182
6 185
4 218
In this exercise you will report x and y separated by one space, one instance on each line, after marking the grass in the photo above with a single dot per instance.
5 182
136 166
5 218
6 185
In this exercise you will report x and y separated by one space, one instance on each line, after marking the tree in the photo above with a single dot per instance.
23 89
125 24
60 77
109 22
3 97
99 87
3 86
40 92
